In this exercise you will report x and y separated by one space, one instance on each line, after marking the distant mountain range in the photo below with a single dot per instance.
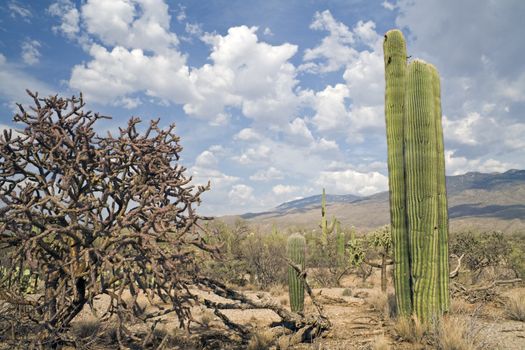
476 201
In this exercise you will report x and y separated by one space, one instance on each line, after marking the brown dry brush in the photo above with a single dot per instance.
90 215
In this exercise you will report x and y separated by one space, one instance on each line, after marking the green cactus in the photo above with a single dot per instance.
296 253
443 267
416 164
326 229
395 56
421 187
340 244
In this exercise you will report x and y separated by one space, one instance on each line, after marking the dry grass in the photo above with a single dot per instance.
261 340
460 306
515 305
277 290
410 329
381 343
456 333
379 302
207 317
86 329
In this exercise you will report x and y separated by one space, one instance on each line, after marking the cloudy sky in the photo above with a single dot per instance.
275 100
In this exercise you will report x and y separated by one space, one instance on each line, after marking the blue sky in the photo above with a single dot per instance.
274 100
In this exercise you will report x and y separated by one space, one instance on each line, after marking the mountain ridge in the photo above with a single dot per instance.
478 200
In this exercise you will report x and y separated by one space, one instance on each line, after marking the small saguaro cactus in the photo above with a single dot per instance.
296 254
326 228
340 244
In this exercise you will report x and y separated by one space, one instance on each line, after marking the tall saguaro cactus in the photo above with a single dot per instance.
395 55
418 204
296 253
421 187
443 267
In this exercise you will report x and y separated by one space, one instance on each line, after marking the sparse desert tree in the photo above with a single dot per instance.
91 215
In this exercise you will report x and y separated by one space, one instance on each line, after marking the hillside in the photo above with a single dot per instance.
476 201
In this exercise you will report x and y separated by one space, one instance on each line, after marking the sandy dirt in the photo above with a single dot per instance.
359 315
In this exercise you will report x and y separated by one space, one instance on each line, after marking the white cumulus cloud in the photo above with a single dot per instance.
269 174
280 189
69 18
352 182
241 194
30 51
134 24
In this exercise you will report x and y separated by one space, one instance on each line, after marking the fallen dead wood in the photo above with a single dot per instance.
455 272
496 283
481 293
304 328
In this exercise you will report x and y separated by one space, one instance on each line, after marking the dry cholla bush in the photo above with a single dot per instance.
88 215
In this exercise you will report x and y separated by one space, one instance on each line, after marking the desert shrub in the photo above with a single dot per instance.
247 255
264 256
516 260
328 260
231 266
347 292
481 249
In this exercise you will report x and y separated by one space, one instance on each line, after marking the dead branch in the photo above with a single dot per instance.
304 327
481 293
455 272
494 284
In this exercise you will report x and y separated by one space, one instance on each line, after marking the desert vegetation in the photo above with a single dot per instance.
102 246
